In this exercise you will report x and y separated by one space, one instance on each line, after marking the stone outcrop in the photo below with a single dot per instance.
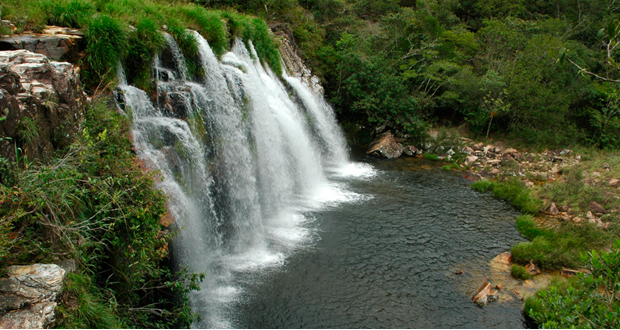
294 63
28 295
386 146
56 43
42 101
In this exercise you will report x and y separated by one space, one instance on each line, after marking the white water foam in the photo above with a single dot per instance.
244 165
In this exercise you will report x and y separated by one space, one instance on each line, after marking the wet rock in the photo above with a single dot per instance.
532 269
411 150
597 208
518 295
385 146
552 209
484 294
468 175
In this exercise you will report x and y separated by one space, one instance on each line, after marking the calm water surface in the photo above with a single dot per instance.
388 259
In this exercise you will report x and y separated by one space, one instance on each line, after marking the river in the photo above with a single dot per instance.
388 260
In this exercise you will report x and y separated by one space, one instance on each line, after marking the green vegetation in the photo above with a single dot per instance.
555 248
452 166
536 72
584 301
110 38
519 272
513 191
97 205
431 156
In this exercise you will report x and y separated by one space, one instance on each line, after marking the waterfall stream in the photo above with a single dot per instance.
244 155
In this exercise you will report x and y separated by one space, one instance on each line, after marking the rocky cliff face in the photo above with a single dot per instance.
297 67
41 101
28 296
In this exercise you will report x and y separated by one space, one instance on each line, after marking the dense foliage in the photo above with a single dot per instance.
537 71
97 205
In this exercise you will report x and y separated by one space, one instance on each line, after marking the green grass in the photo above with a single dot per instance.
513 191
144 43
583 301
110 39
519 272
107 45
431 156
556 248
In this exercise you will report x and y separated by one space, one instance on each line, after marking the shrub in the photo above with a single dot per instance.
583 301
519 272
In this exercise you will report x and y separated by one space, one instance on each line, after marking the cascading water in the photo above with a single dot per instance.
242 161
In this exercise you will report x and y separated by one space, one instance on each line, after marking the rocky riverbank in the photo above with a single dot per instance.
576 200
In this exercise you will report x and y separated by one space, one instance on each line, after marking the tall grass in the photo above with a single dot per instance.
144 43
106 46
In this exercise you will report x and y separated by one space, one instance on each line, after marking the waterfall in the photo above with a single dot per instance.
243 155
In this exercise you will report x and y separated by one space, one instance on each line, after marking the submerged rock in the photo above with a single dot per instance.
471 176
484 294
385 146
